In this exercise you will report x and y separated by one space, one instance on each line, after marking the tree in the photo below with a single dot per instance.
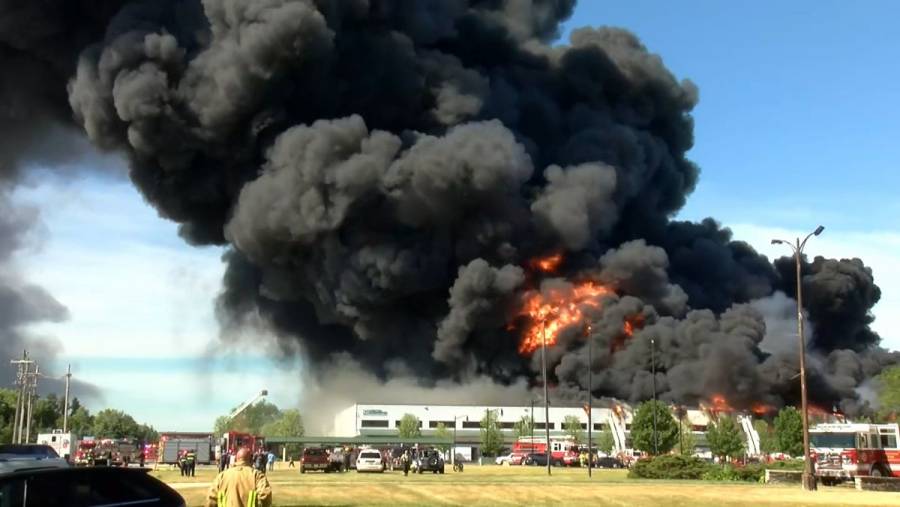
290 424
767 441
524 427
572 427
688 441
7 414
110 423
887 385
789 431
491 436
725 438
444 434
81 422
251 420
47 414
409 426
147 433
642 428
606 442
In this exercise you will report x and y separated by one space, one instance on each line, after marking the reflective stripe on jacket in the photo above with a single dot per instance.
240 486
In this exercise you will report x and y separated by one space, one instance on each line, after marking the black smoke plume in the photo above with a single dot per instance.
39 46
384 172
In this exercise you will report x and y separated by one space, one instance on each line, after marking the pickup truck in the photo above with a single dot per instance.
314 458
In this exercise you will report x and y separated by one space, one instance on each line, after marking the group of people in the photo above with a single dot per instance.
261 460
187 463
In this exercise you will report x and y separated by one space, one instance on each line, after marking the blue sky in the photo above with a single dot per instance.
797 125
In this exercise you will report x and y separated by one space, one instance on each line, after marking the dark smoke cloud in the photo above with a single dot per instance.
39 45
839 296
384 172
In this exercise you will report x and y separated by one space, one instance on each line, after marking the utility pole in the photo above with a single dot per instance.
66 400
22 376
546 399
808 478
32 391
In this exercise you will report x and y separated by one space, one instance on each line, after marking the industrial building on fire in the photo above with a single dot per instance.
464 422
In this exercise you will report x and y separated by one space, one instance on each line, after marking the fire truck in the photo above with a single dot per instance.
843 451
172 445
107 452
559 446
234 440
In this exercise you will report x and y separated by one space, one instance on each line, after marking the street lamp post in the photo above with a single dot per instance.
532 423
653 372
809 480
546 399
590 395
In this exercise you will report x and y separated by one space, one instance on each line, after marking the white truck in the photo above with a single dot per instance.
64 444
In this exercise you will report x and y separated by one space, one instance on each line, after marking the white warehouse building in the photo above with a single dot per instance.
464 422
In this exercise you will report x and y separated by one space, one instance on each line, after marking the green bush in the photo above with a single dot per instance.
669 467
747 473
793 464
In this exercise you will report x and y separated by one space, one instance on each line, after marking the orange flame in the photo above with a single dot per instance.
632 324
629 327
761 409
720 404
548 264
555 311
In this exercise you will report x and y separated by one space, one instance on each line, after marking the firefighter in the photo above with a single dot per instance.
404 460
240 486
191 458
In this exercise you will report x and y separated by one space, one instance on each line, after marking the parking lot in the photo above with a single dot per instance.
498 485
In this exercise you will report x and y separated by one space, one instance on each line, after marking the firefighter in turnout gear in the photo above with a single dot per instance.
240 485
191 459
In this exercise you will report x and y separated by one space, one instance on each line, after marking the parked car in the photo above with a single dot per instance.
19 457
609 462
535 458
517 458
369 460
314 458
86 487
503 459
430 461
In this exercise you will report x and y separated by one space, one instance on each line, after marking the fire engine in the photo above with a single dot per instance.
843 451
559 446
234 440
173 445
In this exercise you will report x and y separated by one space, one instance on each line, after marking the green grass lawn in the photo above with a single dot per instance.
494 485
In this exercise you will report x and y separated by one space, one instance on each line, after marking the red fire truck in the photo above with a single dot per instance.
234 440
559 446
843 451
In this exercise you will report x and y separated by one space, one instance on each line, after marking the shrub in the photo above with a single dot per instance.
747 473
793 464
669 467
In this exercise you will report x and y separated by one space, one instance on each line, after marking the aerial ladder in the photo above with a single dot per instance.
617 425
753 447
245 405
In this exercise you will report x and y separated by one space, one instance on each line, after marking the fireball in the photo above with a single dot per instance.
556 310
548 264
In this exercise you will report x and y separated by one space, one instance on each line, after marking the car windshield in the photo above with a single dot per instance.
29 450
841 440
314 452
370 455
